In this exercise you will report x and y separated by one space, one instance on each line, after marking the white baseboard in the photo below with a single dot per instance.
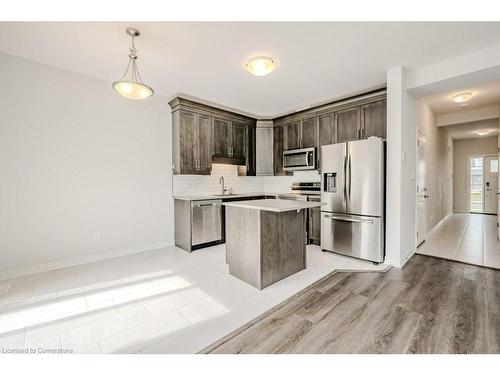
63 263
438 225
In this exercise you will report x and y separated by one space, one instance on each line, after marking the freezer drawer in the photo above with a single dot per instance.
357 236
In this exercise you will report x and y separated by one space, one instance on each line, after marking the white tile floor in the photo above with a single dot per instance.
160 301
469 238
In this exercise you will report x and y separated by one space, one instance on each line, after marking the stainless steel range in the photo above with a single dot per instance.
308 191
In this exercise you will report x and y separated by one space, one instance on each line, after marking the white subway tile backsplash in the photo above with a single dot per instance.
199 185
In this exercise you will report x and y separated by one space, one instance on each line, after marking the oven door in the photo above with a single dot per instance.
298 160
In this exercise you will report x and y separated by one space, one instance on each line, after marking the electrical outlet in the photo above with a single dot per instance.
97 235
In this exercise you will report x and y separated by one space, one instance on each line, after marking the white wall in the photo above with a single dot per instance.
401 169
471 115
79 162
438 157
463 150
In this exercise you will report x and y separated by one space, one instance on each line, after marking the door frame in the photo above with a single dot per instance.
419 134
468 181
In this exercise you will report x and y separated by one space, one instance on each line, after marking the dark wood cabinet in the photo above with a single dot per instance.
347 124
309 133
221 137
238 138
250 151
326 130
203 134
204 144
374 119
278 150
314 226
188 142
195 139
292 136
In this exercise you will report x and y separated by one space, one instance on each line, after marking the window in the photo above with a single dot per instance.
494 166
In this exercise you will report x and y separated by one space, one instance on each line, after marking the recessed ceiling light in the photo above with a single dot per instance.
462 97
260 66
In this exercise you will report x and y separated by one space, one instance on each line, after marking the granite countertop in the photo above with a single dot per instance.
274 205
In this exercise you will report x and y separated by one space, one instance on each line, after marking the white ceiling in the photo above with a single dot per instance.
470 129
482 96
316 62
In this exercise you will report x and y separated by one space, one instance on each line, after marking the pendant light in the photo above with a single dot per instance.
130 85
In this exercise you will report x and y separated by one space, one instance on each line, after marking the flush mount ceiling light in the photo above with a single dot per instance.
260 66
130 85
462 97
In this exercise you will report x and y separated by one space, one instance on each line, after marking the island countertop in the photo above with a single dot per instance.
274 205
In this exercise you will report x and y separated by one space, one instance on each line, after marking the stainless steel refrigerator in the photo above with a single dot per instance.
353 197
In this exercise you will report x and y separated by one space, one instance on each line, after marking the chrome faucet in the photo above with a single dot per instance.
221 182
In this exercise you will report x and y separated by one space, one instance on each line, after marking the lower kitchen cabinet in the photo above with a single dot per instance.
314 226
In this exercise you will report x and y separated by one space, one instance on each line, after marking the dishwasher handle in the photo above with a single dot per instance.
206 203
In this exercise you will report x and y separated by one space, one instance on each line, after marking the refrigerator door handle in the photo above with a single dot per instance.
345 176
349 167
349 219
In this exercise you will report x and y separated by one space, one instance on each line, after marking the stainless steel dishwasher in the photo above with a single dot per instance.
206 225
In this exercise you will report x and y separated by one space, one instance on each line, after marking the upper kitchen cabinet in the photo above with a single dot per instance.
374 119
239 140
251 142
278 138
309 133
194 135
221 137
292 136
326 129
348 124
301 133
203 134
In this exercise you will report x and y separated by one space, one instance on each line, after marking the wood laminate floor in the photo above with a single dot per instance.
430 306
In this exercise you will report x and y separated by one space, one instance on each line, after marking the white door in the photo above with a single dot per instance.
490 166
421 190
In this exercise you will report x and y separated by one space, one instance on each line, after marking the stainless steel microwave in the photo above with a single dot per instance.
300 159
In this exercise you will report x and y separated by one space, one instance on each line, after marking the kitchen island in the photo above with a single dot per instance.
266 239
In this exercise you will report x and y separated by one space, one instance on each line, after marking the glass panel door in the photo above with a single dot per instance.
476 184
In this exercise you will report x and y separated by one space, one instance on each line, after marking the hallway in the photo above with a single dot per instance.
469 238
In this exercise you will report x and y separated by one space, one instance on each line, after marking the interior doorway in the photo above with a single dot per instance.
483 184
422 193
